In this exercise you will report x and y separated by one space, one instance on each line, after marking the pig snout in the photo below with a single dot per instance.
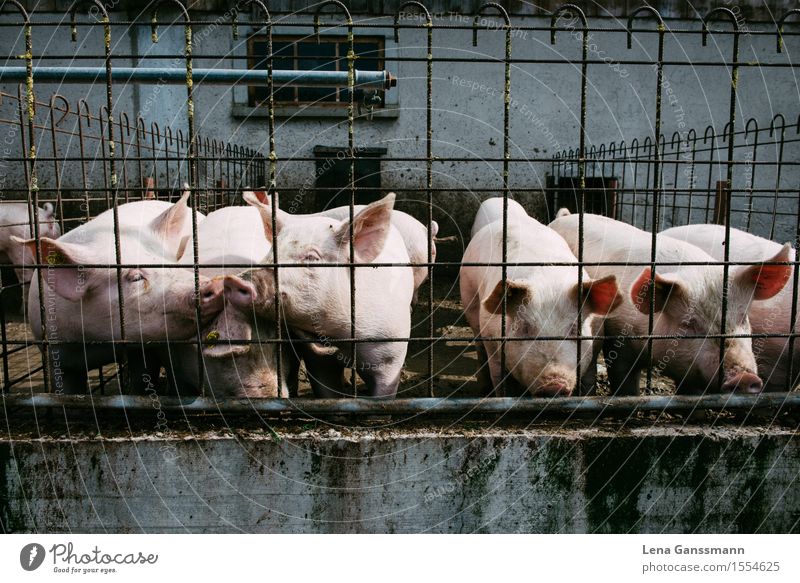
553 388
239 292
553 383
211 298
743 382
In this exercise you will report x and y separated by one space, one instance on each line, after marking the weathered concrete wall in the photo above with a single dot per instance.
667 479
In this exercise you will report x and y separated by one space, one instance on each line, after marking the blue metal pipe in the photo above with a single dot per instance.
597 406
158 75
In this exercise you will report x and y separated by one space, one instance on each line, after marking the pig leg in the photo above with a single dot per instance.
326 374
144 367
624 364
290 367
63 378
180 364
588 381
587 385
492 351
382 379
484 379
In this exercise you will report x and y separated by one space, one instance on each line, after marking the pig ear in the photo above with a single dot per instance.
517 293
666 290
258 195
263 203
600 295
49 209
370 229
766 281
182 247
70 283
169 224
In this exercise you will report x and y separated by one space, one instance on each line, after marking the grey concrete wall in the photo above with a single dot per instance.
659 479
467 100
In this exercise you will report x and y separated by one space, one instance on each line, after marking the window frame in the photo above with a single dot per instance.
241 49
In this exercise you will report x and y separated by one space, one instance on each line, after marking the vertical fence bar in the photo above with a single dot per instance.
191 166
31 179
272 184
781 141
569 9
122 152
54 145
728 176
691 145
500 391
155 147
648 168
709 137
140 136
169 140
654 226
633 157
428 163
793 321
675 144
103 158
111 158
352 170
750 207
623 158
4 339
790 380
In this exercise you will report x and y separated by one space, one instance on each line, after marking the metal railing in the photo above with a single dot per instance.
138 160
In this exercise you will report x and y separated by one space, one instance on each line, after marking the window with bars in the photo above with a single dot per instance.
306 54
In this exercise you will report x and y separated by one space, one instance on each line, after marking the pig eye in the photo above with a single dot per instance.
312 255
135 275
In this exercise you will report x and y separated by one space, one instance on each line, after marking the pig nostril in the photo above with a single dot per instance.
745 383
755 387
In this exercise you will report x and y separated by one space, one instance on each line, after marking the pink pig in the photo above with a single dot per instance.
688 302
316 298
81 303
540 301
14 222
767 316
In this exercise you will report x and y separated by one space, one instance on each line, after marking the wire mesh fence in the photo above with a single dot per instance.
181 266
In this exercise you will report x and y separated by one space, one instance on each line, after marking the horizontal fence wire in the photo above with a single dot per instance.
86 156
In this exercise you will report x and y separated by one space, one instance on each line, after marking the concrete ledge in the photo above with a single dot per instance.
660 479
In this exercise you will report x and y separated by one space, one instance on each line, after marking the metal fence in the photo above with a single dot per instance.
126 160
693 185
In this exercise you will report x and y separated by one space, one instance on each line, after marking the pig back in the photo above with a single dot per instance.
491 210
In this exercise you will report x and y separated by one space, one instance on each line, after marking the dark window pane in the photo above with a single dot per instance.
311 56
283 59
316 57
368 56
